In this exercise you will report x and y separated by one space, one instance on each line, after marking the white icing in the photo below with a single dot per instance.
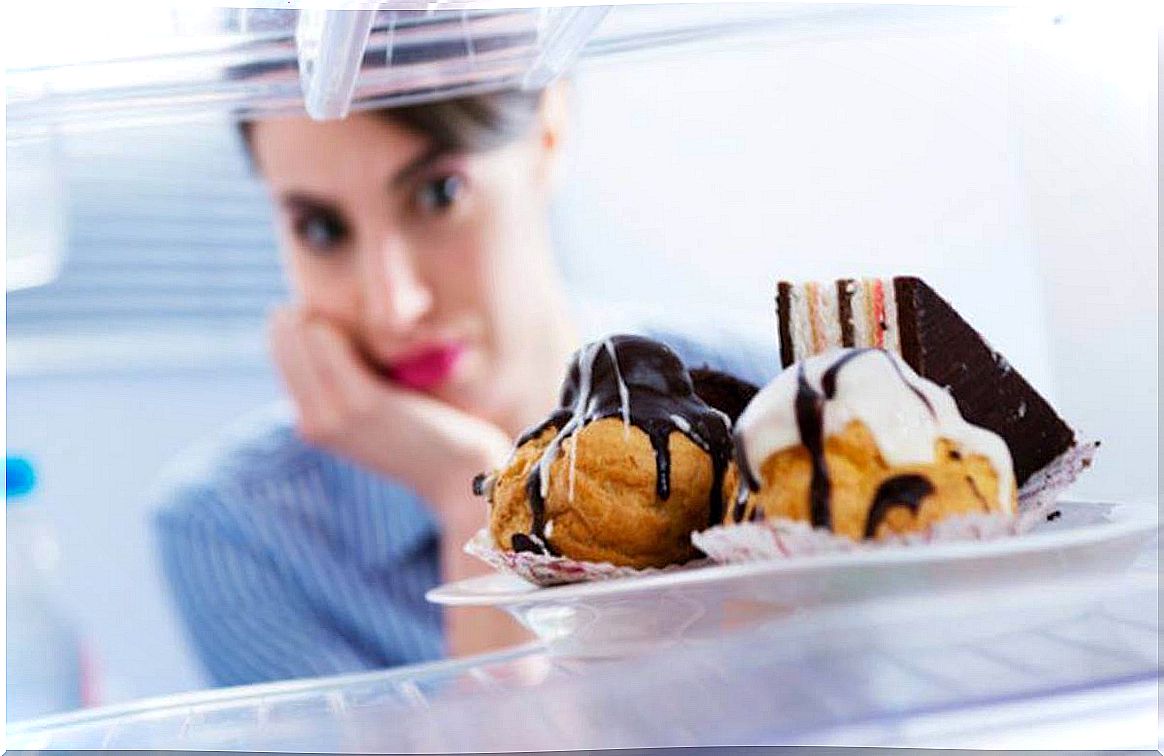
684 426
577 414
623 392
573 469
869 389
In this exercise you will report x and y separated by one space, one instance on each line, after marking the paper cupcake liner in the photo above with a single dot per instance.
783 539
779 538
545 570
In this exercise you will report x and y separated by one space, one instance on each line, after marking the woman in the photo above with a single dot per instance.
429 327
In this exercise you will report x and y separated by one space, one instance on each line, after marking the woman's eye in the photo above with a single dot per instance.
440 193
321 232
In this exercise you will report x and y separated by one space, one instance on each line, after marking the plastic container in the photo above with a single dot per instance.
36 219
45 660
173 62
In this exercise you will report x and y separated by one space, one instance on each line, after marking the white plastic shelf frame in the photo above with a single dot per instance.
951 670
167 60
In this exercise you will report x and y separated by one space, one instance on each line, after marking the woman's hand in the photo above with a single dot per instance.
345 407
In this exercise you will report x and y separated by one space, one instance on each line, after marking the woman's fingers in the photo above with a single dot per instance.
325 387
337 393
289 349
345 406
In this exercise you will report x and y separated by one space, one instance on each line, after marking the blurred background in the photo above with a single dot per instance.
1008 158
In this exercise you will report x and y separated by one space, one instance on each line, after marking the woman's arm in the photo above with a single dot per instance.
247 621
433 447
472 630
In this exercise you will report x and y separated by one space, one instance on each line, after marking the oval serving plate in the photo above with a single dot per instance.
627 615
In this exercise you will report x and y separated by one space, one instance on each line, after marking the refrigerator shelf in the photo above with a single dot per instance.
105 68
901 672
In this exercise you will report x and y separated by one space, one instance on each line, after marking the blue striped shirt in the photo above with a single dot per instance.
288 561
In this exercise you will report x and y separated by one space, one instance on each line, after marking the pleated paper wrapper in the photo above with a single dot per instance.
784 539
546 570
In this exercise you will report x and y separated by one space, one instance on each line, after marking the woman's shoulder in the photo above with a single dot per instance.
257 448
259 468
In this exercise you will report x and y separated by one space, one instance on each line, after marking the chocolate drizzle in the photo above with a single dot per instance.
845 311
828 381
746 482
810 424
902 490
898 491
481 484
644 383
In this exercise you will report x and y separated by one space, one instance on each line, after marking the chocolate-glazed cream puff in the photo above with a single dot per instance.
854 441
629 464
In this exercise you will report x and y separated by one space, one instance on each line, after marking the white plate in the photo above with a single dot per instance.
620 616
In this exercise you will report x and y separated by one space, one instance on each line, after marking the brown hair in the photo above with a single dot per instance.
474 123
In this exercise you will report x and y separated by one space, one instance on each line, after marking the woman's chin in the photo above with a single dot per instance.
466 385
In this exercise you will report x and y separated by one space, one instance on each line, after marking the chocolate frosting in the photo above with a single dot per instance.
727 393
646 384
898 491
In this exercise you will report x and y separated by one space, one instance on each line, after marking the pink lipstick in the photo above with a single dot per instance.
426 368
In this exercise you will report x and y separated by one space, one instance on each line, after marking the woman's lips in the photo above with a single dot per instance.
427 368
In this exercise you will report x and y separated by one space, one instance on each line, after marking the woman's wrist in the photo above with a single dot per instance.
455 563
461 514
462 521
454 483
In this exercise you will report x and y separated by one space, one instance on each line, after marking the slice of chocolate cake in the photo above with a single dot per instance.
728 394
904 315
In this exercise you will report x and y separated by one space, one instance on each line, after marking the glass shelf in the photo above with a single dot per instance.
917 671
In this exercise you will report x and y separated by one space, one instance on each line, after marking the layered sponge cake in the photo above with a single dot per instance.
905 316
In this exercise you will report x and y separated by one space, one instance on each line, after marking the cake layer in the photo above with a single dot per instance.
905 316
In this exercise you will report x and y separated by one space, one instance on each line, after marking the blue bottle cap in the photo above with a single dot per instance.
19 477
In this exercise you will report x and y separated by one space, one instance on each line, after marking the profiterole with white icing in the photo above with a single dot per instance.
854 441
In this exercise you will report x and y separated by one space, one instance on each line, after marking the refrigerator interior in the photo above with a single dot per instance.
1050 666
1007 155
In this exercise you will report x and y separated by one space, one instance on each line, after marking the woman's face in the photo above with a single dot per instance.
435 264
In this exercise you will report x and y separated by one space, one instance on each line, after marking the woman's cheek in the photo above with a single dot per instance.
325 289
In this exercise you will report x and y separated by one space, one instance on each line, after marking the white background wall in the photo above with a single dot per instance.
1013 167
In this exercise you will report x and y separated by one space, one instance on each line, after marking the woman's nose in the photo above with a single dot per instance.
395 296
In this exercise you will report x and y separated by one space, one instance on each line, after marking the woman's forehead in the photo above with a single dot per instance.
298 150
